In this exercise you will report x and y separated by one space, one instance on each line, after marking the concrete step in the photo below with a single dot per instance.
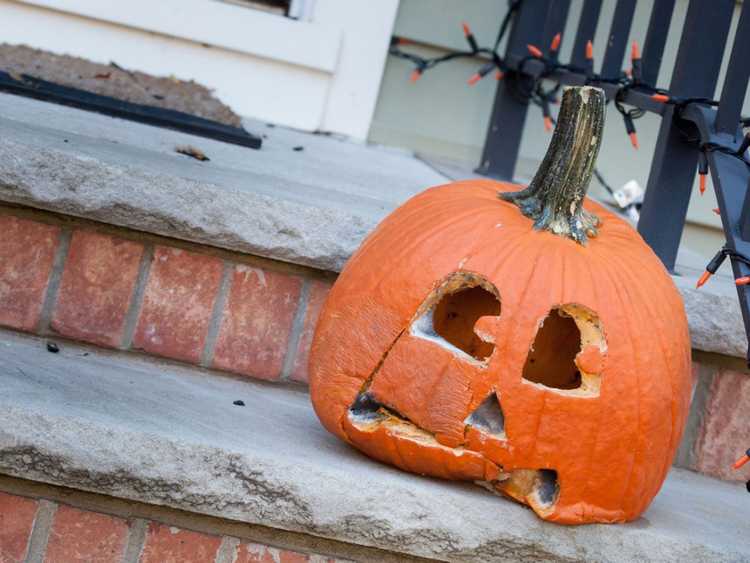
311 207
165 434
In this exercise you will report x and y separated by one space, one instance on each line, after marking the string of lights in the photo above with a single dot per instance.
529 88
422 64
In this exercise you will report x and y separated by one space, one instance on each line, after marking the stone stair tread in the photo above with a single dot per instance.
311 207
162 433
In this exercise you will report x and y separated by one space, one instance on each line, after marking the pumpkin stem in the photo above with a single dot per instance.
554 198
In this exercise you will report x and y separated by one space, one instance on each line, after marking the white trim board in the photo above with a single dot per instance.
317 74
237 28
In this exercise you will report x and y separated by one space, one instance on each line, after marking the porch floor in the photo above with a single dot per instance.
165 434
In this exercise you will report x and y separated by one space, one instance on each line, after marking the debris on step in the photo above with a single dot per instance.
192 152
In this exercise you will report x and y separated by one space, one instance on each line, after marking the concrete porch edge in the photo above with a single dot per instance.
311 206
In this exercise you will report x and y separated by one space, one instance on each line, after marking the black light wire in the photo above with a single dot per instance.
529 89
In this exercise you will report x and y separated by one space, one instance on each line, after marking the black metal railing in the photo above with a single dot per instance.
695 130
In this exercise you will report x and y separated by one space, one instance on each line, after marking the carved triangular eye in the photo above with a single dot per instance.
488 416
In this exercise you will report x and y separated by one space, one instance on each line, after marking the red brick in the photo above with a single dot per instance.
259 553
724 435
16 520
177 304
318 293
27 250
256 322
79 535
167 544
96 287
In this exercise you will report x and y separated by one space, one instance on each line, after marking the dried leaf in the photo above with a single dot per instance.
192 152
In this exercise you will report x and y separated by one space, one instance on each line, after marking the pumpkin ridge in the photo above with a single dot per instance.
662 357
665 387
597 426
637 449
418 242
518 248
510 318
603 267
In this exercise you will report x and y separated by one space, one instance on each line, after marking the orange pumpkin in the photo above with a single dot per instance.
546 357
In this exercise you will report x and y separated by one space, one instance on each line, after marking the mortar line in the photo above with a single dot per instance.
135 541
136 299
40 531
214 325
53 285
227 552
295 333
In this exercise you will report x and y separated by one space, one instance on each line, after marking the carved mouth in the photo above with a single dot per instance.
367 413
537 488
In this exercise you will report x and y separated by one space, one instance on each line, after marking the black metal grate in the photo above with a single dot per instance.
38 89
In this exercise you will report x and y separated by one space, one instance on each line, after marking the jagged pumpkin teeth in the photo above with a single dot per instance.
524 339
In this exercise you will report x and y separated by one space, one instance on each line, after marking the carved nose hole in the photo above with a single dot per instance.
488 417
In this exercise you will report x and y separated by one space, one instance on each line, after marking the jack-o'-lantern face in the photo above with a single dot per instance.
460 342
435 385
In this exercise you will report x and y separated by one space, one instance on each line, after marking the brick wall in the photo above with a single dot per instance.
718 430
130 291
38 529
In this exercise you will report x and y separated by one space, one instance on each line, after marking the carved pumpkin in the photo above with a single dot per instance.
520 342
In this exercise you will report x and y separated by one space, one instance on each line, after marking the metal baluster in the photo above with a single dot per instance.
673 168
618 38
730 178
735 81
656 39
556 18
586 31
505 129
